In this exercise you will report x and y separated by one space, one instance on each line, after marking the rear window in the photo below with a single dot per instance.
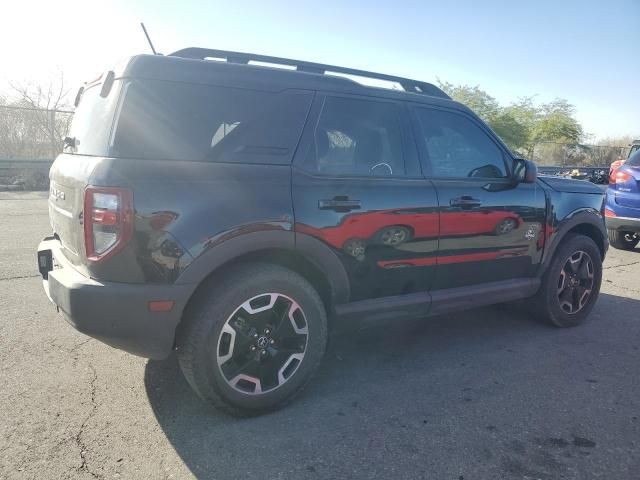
634 159
92 121
178 121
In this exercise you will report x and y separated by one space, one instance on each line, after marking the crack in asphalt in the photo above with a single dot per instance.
622 265
20 277
628 289
78 438
77 346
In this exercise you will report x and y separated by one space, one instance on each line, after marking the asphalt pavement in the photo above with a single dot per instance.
485 394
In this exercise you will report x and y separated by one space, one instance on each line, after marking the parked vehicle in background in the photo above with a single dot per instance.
622 210
634 147
226 209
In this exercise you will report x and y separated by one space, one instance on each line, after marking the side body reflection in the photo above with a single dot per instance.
392 228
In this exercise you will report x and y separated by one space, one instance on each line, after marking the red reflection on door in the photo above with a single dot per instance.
395 227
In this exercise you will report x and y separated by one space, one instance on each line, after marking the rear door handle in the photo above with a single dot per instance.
339 204
465 201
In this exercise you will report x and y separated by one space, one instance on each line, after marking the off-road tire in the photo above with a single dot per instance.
206 315
546 303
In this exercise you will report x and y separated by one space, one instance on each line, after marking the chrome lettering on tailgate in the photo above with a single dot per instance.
56 194
61 214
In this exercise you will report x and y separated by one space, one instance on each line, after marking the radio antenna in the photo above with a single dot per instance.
148 39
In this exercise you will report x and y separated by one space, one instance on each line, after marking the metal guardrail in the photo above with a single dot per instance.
14 167
30 162
24 174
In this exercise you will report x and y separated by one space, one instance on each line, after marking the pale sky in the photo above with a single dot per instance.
586 52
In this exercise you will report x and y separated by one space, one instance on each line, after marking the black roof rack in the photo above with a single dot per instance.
413 86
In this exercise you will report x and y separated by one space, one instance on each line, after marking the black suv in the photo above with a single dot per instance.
217 204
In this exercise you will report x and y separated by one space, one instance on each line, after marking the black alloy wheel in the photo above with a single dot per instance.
252 338
262 343
575 282
570 285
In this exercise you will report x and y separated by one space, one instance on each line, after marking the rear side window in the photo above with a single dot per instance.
92 121
357 137
457 147
178 121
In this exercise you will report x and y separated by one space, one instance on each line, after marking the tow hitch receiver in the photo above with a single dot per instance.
45 263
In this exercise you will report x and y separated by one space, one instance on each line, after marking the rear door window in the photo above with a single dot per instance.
357 137
178 121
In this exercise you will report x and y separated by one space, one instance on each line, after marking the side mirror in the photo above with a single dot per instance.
524 171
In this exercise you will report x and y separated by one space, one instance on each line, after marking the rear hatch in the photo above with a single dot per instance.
87 143
69 176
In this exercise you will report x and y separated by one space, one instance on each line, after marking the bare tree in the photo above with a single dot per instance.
33 123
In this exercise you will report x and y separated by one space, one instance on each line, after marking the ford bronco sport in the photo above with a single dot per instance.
216 204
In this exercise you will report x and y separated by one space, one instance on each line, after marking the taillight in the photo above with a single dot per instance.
614 166
108 221
609 213
618 176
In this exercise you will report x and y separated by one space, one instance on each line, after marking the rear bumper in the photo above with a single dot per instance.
114 313
627 218
623 224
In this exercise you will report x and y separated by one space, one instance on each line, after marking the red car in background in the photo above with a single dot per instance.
395 227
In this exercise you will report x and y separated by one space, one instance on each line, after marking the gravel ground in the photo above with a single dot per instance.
485 394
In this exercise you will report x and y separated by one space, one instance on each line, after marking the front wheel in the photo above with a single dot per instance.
571 284
623 240
505 226
252 339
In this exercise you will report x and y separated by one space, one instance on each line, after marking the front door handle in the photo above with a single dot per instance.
465 201
339 204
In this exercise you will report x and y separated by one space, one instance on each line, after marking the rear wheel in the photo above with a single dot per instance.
623 240
571 284
253 339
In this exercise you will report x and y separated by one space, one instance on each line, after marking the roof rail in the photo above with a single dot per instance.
413 86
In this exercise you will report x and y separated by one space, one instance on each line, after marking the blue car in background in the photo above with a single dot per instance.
622 208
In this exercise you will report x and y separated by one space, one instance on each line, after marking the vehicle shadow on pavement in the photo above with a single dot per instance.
448 394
